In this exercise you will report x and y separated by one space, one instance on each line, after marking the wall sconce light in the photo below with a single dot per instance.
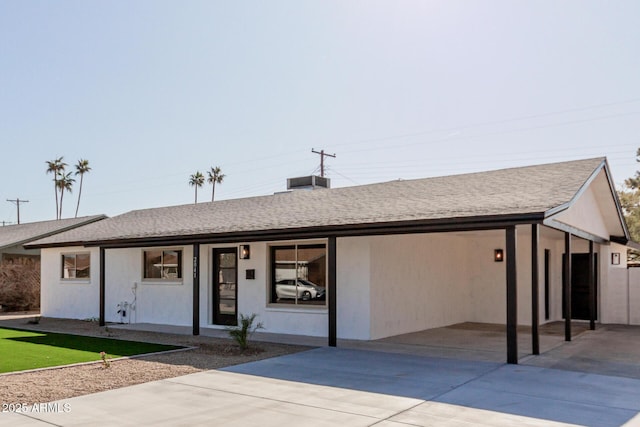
498 255
245 252
615 258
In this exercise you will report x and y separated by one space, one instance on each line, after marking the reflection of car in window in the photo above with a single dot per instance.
305 290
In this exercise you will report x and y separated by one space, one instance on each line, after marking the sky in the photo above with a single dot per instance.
152 91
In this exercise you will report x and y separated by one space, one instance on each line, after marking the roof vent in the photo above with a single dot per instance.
308 183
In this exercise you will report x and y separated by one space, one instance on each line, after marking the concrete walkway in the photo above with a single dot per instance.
338 386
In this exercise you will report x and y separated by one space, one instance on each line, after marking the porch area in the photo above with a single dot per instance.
463 341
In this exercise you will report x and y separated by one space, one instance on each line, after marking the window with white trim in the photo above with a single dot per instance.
162 264
299 274
76 266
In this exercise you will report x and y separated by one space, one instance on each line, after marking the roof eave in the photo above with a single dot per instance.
488 222
626 242
25 242
563 207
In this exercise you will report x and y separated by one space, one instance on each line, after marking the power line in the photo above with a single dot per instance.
489 123
17 203
495 133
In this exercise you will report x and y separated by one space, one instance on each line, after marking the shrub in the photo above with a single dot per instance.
244 330
20 284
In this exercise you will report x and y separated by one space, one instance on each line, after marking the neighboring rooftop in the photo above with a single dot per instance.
19 234
514 191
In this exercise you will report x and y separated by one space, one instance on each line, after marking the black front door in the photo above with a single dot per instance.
225 286
580 286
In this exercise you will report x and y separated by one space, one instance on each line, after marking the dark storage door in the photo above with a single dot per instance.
225 286
580 285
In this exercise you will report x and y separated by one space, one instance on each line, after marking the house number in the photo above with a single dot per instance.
195 267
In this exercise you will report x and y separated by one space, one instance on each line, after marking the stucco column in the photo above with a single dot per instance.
512 297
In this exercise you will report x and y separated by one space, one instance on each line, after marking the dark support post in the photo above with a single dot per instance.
592 289
331 262
196 289
512 298
101 320
566 283
535 284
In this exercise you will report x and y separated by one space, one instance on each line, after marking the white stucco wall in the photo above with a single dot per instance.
354 274
614 286
585 215
634 295
486 279
253 296
417 282
157 301
71 299
386 285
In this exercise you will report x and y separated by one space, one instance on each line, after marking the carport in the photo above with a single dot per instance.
554 262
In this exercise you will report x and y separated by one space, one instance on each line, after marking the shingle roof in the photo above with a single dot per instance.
523 190
18 234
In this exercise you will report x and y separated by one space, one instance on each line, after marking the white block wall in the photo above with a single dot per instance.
386 285
70 299
634 295
158 301
417 282
614 286
253 296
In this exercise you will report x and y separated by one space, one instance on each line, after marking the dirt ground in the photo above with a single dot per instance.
61 383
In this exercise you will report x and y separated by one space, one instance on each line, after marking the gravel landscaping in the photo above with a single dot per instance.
61 383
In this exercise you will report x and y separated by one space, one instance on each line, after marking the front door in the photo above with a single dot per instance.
225 289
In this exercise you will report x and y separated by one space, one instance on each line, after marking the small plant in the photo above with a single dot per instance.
108 331
34 321
105 362
244 330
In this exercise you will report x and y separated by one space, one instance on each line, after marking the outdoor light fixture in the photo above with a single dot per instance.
245 251
615 258
498 255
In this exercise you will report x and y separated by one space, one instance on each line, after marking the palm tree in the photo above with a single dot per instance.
196 180
56 167
81 168
215 177
65 182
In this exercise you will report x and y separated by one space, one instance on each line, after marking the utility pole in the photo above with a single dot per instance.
17 203
322 156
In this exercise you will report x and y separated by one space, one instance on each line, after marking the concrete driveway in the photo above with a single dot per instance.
349 387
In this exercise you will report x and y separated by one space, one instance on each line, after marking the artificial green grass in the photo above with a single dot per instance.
21 350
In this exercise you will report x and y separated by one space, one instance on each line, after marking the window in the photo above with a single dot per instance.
163 264
298 274
76 266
